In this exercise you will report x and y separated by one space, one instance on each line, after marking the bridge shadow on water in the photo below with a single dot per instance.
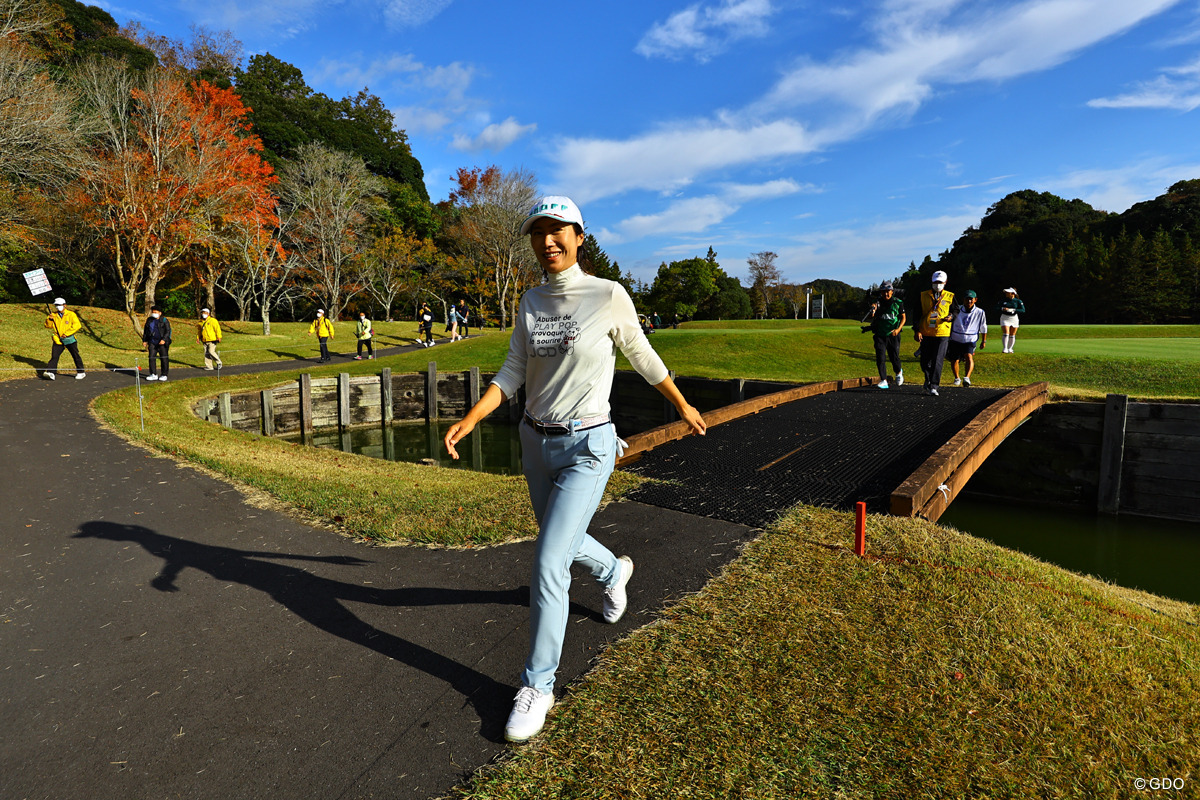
320 601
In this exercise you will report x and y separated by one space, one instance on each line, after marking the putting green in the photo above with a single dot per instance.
1181 349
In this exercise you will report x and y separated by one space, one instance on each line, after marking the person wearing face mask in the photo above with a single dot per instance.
323 328
208 334
363 332
933 330
1010 309
563 349
156 333
63 324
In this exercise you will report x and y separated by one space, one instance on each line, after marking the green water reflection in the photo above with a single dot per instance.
1158 556
490 447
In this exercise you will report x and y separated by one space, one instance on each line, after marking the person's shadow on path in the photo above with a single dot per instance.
320 601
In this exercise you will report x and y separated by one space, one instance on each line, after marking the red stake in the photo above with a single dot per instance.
860 529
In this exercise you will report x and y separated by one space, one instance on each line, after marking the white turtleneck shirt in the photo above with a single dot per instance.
564 346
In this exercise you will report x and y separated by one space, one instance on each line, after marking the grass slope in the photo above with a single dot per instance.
942 667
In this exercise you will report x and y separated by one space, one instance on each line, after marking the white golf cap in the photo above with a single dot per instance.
205 311
1011 289
320 312
58 301
939 277
555 207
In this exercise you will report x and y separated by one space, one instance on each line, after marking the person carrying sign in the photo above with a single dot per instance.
933 330
323 328
63 324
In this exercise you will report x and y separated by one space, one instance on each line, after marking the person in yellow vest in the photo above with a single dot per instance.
323 328
933 330
63 324
209 336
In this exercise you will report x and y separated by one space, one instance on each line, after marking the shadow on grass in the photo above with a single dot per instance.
321 602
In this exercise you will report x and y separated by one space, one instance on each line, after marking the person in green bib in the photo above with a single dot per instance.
887 320
933 330
363 332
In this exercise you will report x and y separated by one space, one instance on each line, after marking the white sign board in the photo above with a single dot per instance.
38 282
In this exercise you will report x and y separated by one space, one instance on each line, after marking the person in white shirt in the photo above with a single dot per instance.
563 349
968 328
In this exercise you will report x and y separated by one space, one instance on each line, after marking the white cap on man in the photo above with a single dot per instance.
939 277
58 301
554 207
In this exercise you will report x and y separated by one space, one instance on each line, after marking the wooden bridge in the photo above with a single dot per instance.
833 444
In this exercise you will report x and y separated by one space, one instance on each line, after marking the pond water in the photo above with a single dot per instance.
1159 556
490 447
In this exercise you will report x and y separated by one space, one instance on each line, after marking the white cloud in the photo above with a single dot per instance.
496 136
853 254
704 31
247 18
414 119
1118 188
696 214
410 13
1177 89
924 43
670 159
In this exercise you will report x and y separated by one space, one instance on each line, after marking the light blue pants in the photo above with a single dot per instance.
566 477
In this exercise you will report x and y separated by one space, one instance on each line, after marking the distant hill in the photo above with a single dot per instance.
1072 263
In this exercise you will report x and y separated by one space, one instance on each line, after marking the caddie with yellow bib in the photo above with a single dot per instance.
933 330
63 324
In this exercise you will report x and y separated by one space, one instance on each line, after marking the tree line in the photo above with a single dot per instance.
141 170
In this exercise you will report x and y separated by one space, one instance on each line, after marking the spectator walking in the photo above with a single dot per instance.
425 325
63 324
363 332
933 330
464 314
1010 309
656 320
452 320
156 333
323 328
209 336
887 321
968 329
563 349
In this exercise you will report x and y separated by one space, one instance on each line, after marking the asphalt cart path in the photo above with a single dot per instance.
162 637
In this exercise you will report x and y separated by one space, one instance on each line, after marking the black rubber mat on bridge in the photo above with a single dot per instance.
830 450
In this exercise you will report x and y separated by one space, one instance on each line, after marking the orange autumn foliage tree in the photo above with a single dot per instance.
174 167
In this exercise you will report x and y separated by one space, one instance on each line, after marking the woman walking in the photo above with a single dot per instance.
563 349
1010 309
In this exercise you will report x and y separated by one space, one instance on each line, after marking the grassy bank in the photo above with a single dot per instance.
942 667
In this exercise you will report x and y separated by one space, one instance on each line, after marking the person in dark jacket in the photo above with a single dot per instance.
887 320
156 333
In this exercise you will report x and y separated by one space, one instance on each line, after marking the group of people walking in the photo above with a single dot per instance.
944 330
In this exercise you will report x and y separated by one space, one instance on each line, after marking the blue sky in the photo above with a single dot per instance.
850 138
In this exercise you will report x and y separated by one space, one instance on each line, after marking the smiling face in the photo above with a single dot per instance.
555 243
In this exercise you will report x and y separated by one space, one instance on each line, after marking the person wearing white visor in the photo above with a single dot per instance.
933 330
1010 309
563 349
63 324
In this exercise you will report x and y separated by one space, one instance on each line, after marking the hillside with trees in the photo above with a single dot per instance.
1071 263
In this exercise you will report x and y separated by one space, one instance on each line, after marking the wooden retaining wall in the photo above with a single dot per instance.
1084 455
346 402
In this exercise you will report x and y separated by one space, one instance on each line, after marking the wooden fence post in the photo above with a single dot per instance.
268 411
1112 453
385 396
431 392
669 413
306 415
224 412
473 386
343 389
